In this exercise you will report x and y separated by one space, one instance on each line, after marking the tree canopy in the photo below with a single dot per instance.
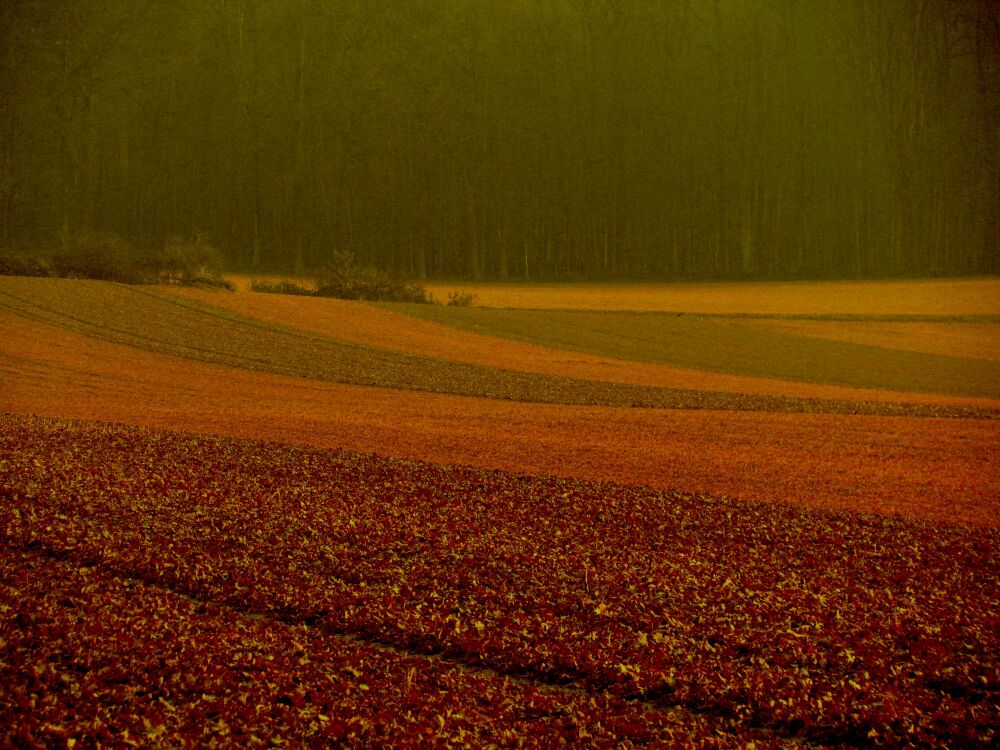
525 139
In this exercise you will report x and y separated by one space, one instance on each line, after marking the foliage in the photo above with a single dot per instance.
341 277
626 139
100 255
284 286
107 257
22 264
821 628
373 286
461 299
194 262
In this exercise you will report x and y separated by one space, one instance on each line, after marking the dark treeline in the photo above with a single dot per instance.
526 139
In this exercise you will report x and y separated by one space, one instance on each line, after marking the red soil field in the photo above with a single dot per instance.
233 680
374 326
754 624
938 469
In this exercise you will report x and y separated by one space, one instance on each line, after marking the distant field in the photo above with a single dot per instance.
951 297
726 345
950 338
129 355
162 322
382 328
596 527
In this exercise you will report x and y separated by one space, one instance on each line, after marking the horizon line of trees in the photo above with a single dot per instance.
512 139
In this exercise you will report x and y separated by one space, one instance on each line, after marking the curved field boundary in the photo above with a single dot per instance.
376 326
924 297
167 324
725 346
946 470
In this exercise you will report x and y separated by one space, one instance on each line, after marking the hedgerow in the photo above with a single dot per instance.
107 257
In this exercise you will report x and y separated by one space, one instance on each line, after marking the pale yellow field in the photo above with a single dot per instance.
924 297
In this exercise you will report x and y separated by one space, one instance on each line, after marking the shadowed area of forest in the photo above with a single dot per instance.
521 139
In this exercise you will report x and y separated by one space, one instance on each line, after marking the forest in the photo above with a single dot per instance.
512 139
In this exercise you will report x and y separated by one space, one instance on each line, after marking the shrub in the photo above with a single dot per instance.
343 279
17 264
281 287
461 299
108 257
192 261
99 255
374 289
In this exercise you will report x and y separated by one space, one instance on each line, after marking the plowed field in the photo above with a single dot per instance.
450 340
481 527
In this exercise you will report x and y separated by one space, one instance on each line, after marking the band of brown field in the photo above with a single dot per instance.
936 469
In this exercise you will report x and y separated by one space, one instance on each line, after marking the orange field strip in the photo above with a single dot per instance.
938 469
373 326
920 297
962 339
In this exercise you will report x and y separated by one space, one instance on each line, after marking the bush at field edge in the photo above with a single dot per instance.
107 257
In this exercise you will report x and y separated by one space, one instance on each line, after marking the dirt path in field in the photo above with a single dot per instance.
373 326
950 297
939 469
